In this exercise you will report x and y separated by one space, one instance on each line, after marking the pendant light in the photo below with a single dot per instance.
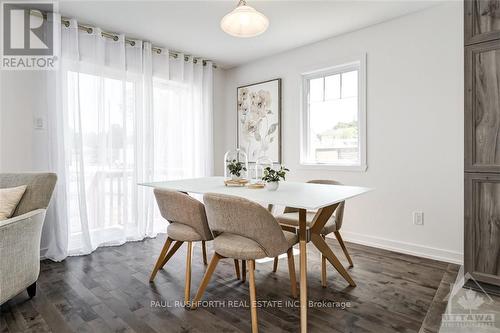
244 21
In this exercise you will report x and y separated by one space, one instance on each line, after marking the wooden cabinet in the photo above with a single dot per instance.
482 21
482 142
482 221
482 107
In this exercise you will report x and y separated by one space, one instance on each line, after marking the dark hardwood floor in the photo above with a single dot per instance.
108 291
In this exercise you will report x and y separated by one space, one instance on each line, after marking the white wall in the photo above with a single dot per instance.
415 127
22 96
23 148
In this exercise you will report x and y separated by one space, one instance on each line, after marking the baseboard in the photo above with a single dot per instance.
386 244
403 247
483 287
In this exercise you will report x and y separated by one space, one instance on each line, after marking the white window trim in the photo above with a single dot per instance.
304 116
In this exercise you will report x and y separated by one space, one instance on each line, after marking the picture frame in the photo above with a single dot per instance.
258 107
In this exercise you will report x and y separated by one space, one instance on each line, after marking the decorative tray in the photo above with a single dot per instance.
237 183
255 185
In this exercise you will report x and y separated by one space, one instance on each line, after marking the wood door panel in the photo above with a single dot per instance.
483 227
482 21
483 107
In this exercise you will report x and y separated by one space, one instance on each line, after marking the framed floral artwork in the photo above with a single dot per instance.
259 120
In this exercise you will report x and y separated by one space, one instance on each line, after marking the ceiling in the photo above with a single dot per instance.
193 26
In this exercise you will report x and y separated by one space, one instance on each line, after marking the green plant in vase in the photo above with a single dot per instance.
235 169
272 177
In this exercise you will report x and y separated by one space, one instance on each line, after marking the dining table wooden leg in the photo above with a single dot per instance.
303 270
320 243
344 249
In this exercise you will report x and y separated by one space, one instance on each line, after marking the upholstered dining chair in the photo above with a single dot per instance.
244 230
290 218
188 223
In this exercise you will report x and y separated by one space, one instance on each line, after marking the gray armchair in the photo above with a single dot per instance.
20 235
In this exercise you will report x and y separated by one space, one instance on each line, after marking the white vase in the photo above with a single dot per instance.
234 177
272 186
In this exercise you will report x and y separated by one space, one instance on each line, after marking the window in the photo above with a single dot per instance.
118 134
100 115
333 119
175 159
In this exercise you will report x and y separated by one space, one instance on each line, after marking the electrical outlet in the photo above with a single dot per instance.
418 218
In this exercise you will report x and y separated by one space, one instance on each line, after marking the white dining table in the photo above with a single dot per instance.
303 196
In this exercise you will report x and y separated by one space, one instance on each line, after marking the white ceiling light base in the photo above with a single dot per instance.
244 21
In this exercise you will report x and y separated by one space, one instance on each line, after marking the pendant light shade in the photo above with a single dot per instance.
244 21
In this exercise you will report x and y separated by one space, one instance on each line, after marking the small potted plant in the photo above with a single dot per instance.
235 169
272 177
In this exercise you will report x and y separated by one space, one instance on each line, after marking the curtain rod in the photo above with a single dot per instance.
89 29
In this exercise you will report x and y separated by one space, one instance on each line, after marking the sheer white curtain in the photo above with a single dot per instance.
124 114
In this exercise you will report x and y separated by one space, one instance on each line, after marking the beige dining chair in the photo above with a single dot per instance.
188 223
244 230
290 218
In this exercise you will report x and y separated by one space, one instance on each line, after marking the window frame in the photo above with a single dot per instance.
357 64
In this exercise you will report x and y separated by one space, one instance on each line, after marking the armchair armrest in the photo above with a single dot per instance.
19 252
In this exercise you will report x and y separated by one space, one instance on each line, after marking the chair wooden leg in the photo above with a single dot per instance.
327 252
275 265
171 252
253 300
187 286
323 271
31 290
243 270
237 268
204 250
206 279
291 272
160 258
342 245
323 268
